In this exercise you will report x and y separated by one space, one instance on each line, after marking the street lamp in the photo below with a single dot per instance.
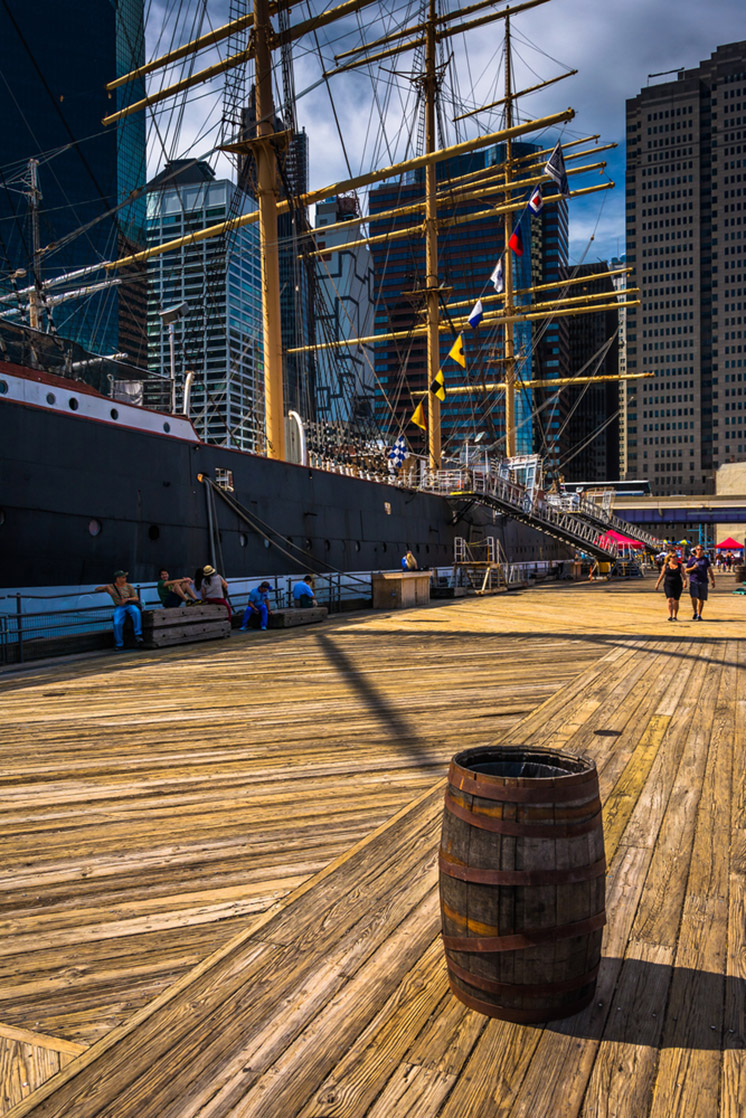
169 317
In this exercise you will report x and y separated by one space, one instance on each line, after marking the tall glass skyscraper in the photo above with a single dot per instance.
56 61
467 254
686 173
218 337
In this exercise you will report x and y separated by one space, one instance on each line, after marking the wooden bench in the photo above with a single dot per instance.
287 618
162 627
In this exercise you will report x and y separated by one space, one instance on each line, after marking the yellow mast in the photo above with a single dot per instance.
508 308
266 161
431 247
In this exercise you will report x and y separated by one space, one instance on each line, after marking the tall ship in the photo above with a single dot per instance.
342 460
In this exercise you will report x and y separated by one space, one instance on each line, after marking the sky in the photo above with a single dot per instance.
615 46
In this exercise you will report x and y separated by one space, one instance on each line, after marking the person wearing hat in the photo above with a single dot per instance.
214 589
126 602
258 606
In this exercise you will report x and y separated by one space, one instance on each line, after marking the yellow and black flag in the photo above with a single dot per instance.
438 387
419 417
457 351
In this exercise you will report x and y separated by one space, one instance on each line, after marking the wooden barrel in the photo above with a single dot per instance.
522 882
740 572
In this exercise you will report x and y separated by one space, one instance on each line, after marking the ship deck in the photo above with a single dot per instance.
219 866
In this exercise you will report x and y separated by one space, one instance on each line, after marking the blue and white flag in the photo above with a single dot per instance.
398 453
536 202
476 315
555 168
497 279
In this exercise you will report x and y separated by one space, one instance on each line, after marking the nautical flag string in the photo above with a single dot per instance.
419 417
555 168
536 201
438 387
457 351
398 453
516 240
476 315
497 279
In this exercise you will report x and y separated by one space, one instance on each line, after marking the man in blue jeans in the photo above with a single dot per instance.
124 597
258 606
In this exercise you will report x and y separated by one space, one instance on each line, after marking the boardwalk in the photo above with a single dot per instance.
218 867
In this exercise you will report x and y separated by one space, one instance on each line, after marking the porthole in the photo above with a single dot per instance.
387 507
268 543
114 413
243 540
309 544
51 398
94 527
385 546
327 545
73 404
166 427
2 516
3 387
357 545
154 532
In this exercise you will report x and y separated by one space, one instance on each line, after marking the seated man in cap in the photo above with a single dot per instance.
258 606
126 603
214 589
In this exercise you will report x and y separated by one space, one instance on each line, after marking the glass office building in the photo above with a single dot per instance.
468 253
218 335
57 59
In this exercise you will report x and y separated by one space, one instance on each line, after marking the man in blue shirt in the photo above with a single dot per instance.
698 567
258 606
303 596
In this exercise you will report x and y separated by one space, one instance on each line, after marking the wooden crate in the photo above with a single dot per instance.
289 618
162 627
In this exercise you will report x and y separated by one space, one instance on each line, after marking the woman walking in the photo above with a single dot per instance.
673 577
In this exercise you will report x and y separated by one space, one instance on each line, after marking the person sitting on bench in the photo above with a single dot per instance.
214 589
258 606
174 591
126 602
303 595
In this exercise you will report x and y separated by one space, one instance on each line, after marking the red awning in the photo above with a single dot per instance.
732 544
620 540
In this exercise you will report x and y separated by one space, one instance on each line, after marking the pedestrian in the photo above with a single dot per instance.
698 568
673 576
303 595
126 603
258 606
174 591
214 589
408 562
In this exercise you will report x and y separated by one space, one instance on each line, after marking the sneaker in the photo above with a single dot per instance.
671 618
264 628
119 648
244 629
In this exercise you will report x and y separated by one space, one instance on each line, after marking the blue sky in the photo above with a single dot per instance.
615 46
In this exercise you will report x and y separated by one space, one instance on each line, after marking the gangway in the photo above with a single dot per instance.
603 519
512 499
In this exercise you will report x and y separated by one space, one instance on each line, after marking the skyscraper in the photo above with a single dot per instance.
216 284
686 169
468 253
57 59
345 380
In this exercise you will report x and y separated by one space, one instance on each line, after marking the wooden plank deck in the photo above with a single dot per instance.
220 893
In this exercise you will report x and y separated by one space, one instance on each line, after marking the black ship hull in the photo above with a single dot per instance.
83 495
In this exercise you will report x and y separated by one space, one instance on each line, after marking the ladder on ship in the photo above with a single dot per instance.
481 566
603 519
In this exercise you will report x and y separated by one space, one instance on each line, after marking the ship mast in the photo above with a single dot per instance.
508 308
267 191
431 245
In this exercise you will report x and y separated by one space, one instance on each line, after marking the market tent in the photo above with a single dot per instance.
620 540
731 544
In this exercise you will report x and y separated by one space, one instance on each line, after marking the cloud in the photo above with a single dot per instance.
615 47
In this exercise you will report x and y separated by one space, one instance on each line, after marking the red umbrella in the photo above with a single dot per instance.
731 544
